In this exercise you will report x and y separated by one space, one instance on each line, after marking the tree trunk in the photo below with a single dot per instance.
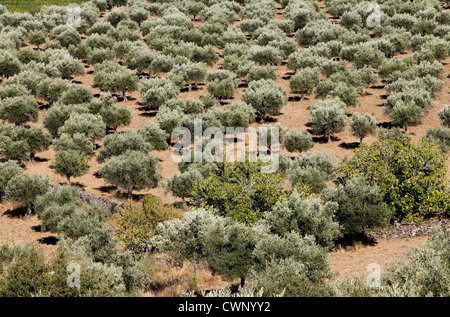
124 96
130 194
184 201
196 268
190 86
242 281
68 180
28 214
329 138
360 140
303 96
406 128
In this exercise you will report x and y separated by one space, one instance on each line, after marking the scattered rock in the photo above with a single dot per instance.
409 230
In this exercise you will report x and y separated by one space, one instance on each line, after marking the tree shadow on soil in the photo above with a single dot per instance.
349 146
50 240
349 242
324 139
18 212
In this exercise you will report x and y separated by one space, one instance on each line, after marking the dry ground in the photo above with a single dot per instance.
14 229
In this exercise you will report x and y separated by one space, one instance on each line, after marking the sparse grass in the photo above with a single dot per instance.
169 281
34 6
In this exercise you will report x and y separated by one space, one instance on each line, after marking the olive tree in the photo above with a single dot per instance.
24 188
157 91
63 62
132 170
361 126
405 114
51 89
113 77
115 116
19 110
328 119
444 116
304 81
265 97
71 163
9 64
229 248
305 216
222 84
441 136
190 73
184 240
296 141
57 115
155 136
265 55
77 142
361 206
36 137
261 72
118 143
36 37
182 185
90 125
7 171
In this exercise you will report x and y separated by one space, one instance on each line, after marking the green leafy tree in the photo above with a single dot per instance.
405 114
229 248
112 77
328 119
157 91
7 171
444 116
305 216
181 185
239 191
118 143
294 141
135 224
24 188
265 97
411 176
88 124
361 126
132 170
304 81
361 206
71 163
19 110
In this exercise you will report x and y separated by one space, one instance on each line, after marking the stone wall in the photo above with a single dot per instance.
111 204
